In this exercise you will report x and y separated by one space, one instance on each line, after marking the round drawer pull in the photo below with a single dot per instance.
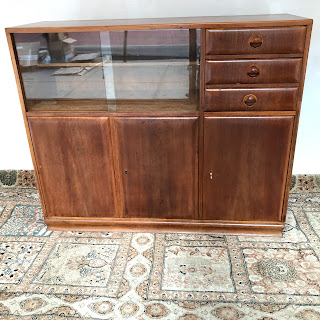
255 41
249 100
253 72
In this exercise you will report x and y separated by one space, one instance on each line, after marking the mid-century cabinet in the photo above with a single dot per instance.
176 124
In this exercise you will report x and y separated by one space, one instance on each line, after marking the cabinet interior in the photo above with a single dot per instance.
112 71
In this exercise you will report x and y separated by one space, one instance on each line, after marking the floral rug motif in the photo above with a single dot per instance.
18 178
196 269
23 220
113 275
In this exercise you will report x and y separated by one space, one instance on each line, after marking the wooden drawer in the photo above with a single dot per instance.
253 71
262 99
256 41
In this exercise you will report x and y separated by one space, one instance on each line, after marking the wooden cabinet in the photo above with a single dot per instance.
176 124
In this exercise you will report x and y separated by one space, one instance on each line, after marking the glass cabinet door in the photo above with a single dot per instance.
115 71
61 71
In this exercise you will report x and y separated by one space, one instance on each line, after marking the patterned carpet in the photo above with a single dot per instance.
111 275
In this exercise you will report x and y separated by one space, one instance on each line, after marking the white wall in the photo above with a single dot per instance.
14 152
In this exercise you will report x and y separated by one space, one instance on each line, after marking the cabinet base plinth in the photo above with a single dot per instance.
147 225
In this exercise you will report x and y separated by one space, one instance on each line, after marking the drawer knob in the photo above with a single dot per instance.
253 72
255 41
249 100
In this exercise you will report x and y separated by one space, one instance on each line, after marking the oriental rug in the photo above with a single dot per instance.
111 275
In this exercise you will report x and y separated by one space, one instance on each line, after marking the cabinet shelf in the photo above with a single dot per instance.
145 63
69 64
71 105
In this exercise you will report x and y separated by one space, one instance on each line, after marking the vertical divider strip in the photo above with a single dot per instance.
119 199
296 124
201 120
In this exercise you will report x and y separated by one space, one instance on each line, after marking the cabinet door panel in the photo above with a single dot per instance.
247 158
75 164
159 166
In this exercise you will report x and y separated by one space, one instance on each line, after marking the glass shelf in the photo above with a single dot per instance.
118 71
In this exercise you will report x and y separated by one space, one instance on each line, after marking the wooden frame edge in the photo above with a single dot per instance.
21 94
173 25
296 124
218 227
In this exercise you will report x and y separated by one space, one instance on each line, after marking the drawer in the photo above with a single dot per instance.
256 41
253 71
262 99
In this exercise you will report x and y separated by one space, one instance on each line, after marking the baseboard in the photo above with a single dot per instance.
159 225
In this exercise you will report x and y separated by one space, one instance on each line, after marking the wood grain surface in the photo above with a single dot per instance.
75 164
266 99
163 23
268 71
159 166
255 41
248 158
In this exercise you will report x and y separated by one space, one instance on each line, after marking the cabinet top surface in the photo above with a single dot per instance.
162 23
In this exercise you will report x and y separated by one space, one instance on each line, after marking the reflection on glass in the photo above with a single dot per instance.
116 71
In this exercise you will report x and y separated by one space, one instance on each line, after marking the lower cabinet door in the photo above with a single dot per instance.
158 160
245 167
74 159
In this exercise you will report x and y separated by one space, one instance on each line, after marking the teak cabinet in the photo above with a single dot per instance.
177 124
